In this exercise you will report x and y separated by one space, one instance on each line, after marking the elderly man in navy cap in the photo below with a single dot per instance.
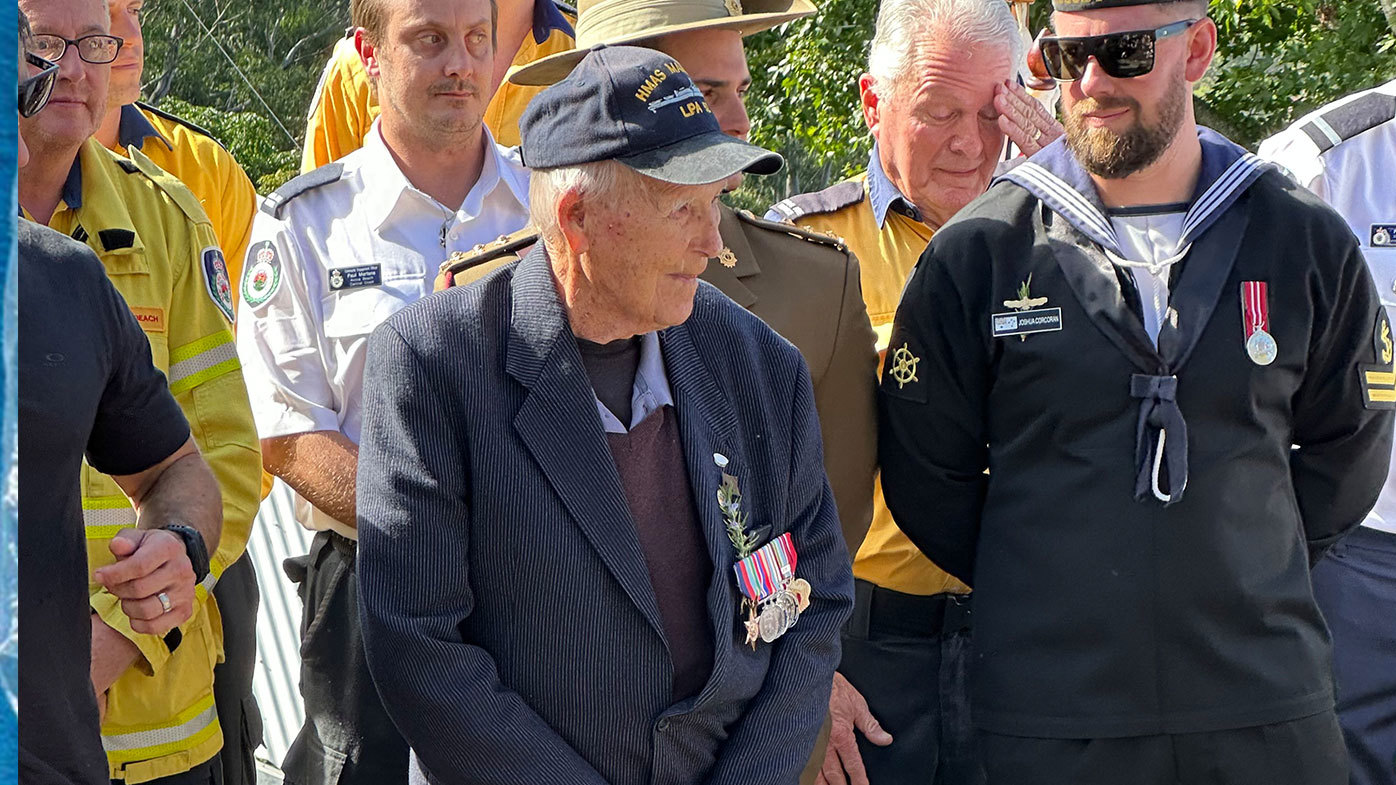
597 544
1177 366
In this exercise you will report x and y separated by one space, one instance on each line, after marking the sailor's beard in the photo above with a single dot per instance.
1111 155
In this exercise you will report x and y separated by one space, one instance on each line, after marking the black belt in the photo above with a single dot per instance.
879 611
343 544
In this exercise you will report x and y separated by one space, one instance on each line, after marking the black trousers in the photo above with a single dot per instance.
347 737
909 657
1355 585
237 596
1306 751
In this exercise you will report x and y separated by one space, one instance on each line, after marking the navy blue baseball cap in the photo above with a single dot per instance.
639 107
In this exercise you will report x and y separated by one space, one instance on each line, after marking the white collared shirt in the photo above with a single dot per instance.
338 260
1353 176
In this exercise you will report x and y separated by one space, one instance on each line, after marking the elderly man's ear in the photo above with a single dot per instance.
571 220
867 91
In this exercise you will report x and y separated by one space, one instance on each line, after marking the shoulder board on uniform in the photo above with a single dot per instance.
277 201
506 246
808 235
1334 127
171 185
158 112
831 199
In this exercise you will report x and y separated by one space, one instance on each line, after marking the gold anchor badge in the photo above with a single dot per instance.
1386 346
726 258
734 7
1025 301
904 366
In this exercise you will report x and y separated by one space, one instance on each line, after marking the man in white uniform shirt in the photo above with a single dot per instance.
333 254
1345 153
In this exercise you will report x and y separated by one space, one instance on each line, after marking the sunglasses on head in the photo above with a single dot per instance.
34 92
1121 55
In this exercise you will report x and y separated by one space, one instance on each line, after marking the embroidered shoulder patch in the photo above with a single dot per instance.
263 274
1381 339
902 372
220 288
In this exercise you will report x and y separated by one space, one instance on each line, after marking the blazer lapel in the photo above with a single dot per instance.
707 426
542 355
1092 279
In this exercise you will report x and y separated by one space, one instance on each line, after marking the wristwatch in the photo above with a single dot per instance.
194 547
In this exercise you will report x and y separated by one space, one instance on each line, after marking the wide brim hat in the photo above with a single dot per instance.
614 22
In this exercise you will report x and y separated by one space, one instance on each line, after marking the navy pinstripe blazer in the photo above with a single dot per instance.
508 614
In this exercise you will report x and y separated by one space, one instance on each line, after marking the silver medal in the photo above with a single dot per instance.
770 623
1261 348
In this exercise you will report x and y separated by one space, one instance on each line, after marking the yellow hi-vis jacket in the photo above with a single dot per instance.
160 252
196 159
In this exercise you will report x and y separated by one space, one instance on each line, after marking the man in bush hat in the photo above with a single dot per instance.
1176 364
597 542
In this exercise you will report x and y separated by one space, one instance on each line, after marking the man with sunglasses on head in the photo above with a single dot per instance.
88 387
161 253
1175 365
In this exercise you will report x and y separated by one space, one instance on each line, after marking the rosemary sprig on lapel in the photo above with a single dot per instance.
729 500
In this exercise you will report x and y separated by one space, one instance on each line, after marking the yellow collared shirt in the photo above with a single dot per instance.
345 107
886 256
205 167
160 252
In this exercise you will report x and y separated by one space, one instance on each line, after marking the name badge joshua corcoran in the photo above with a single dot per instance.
1027 317
356 277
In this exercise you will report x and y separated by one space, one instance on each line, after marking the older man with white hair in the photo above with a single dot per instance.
597 543
940 98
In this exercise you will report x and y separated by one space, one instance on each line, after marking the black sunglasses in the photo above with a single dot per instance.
1121 55
34 92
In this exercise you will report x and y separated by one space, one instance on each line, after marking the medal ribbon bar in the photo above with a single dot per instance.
768 570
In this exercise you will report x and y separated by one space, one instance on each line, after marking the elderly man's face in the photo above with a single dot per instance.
126 71
80 96
434 64
647 249
937 132
1116 127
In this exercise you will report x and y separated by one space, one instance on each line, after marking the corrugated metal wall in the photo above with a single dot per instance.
275 537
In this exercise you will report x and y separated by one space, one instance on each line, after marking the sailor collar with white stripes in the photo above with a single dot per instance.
1057 178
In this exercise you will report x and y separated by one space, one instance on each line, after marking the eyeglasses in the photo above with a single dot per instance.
1122 55
98 48
34 92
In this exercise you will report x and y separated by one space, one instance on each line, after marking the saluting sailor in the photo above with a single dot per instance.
1170 358
1345 153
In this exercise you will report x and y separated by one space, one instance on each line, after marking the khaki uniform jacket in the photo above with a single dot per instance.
806 286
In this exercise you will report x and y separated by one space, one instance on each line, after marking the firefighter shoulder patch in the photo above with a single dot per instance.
220 288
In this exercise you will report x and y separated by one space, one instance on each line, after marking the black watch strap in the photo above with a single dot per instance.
194 547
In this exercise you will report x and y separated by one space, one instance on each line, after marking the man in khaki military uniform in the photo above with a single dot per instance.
939 116
803 284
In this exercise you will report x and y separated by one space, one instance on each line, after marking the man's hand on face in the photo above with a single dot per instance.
150 562
1028 125
843 764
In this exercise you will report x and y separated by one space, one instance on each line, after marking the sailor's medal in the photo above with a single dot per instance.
1255 314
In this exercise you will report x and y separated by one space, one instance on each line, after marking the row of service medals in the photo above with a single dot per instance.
774 597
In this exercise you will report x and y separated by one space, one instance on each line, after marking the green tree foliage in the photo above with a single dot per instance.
258 108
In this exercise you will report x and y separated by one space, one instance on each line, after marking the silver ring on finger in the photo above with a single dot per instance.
165 602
